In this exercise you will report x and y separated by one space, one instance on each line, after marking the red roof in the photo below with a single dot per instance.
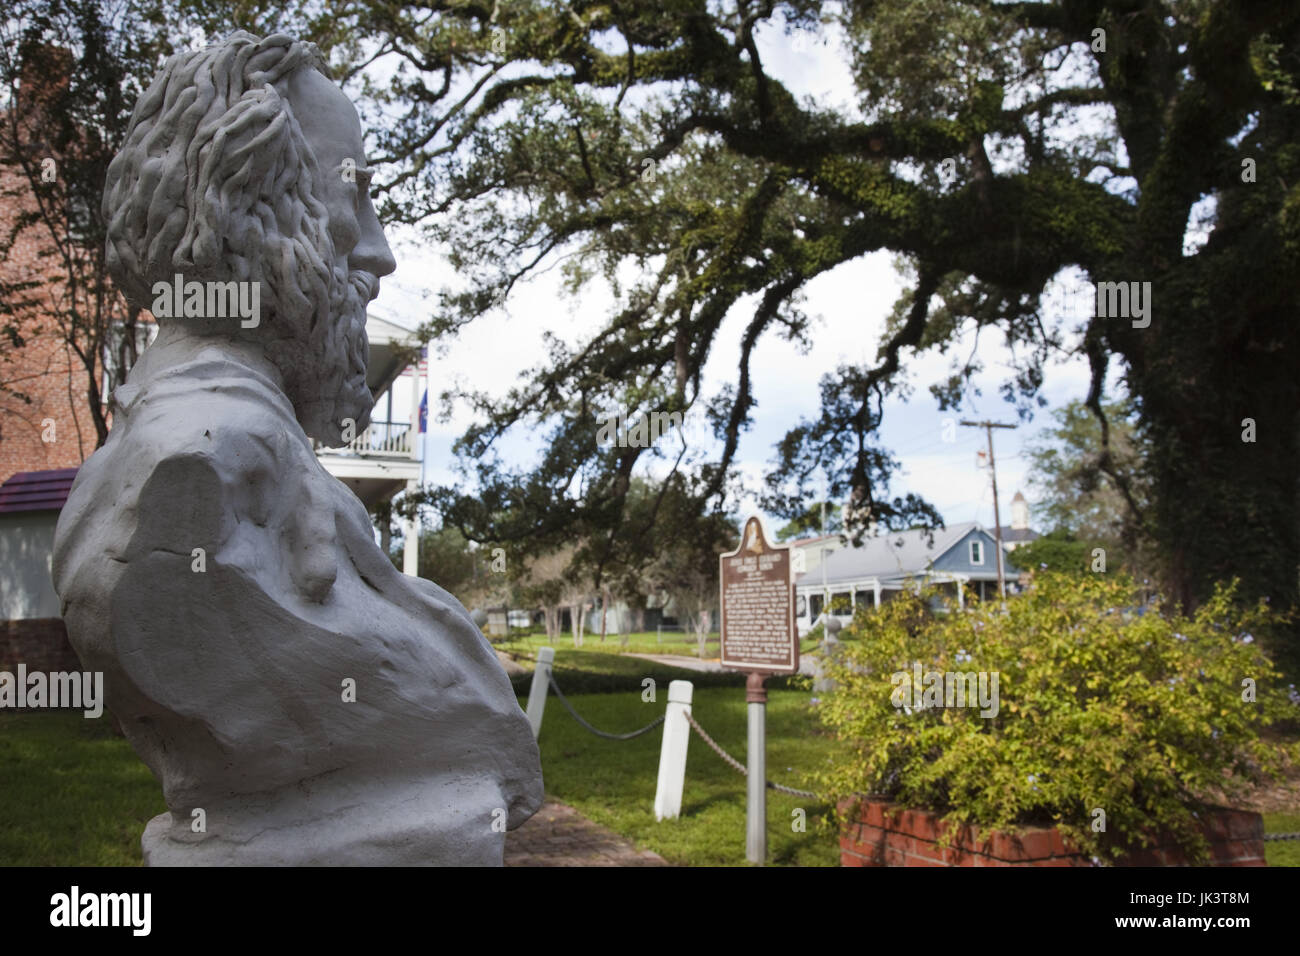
36 490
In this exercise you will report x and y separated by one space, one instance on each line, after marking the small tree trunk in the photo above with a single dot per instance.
604 613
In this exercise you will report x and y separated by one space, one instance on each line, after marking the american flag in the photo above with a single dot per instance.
424 363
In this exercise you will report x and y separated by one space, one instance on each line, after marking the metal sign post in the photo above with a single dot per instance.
758 637
756 808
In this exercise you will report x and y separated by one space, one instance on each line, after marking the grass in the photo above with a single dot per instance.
645 642
74 794
71 792
1282 852
613 782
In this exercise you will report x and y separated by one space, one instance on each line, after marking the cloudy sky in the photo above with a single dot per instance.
849 305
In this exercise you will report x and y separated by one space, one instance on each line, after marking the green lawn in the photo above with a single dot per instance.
613 782
1282 852
73 794
646 642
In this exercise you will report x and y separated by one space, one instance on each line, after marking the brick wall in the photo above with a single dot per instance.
44 370
883 836
41 643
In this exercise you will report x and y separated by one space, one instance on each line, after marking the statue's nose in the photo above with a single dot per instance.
372 253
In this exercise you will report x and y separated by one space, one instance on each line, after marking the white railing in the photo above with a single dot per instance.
378 440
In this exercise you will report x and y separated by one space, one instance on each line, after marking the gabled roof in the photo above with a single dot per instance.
1013 534
892 555
805 542
36 490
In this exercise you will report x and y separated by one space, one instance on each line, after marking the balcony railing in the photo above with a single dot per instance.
379 440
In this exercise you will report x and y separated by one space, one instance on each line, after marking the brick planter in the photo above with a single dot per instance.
884 836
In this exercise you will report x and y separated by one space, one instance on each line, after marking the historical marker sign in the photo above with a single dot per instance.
758 632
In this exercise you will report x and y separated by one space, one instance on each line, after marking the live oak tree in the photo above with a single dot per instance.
992 146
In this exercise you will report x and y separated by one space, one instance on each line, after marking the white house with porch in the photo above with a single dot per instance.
958 556
384 458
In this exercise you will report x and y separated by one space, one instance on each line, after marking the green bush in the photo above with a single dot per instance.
1142 716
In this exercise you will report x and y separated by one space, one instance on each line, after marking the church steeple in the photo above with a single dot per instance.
1019 513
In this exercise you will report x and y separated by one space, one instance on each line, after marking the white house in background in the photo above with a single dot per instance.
959 555
384 458
30 502
807 553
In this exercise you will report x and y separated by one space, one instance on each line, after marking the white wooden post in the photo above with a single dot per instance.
672 753
411 531
540 687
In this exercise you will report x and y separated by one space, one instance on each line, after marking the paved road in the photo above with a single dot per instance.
686 663
558 835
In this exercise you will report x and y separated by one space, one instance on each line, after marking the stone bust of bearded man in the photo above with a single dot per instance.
299 699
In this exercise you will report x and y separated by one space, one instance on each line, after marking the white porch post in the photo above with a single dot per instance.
875 587
411 534
411 527
961 594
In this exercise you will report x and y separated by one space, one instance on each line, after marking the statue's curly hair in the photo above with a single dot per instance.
215 181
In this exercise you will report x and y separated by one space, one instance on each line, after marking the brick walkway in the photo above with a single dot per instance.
558 835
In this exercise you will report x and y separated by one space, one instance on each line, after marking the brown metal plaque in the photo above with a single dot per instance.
758 632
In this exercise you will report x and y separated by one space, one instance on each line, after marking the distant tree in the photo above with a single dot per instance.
1089 493
810 522
1058 550
446 558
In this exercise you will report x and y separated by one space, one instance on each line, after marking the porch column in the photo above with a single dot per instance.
875 587
411 534
961 595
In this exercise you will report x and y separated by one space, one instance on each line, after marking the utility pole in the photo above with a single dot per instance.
997 515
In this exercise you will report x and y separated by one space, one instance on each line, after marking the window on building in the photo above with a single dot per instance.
977 552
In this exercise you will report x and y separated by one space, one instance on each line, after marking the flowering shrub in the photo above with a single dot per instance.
1144 717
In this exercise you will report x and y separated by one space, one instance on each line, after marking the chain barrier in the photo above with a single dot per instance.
726 757
739 767
599 733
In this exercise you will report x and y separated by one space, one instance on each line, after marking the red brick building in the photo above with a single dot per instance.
53 428
46 418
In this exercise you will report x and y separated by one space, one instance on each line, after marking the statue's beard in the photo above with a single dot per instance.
326 380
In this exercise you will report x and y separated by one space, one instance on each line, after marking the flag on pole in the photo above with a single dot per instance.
423 366
424 412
